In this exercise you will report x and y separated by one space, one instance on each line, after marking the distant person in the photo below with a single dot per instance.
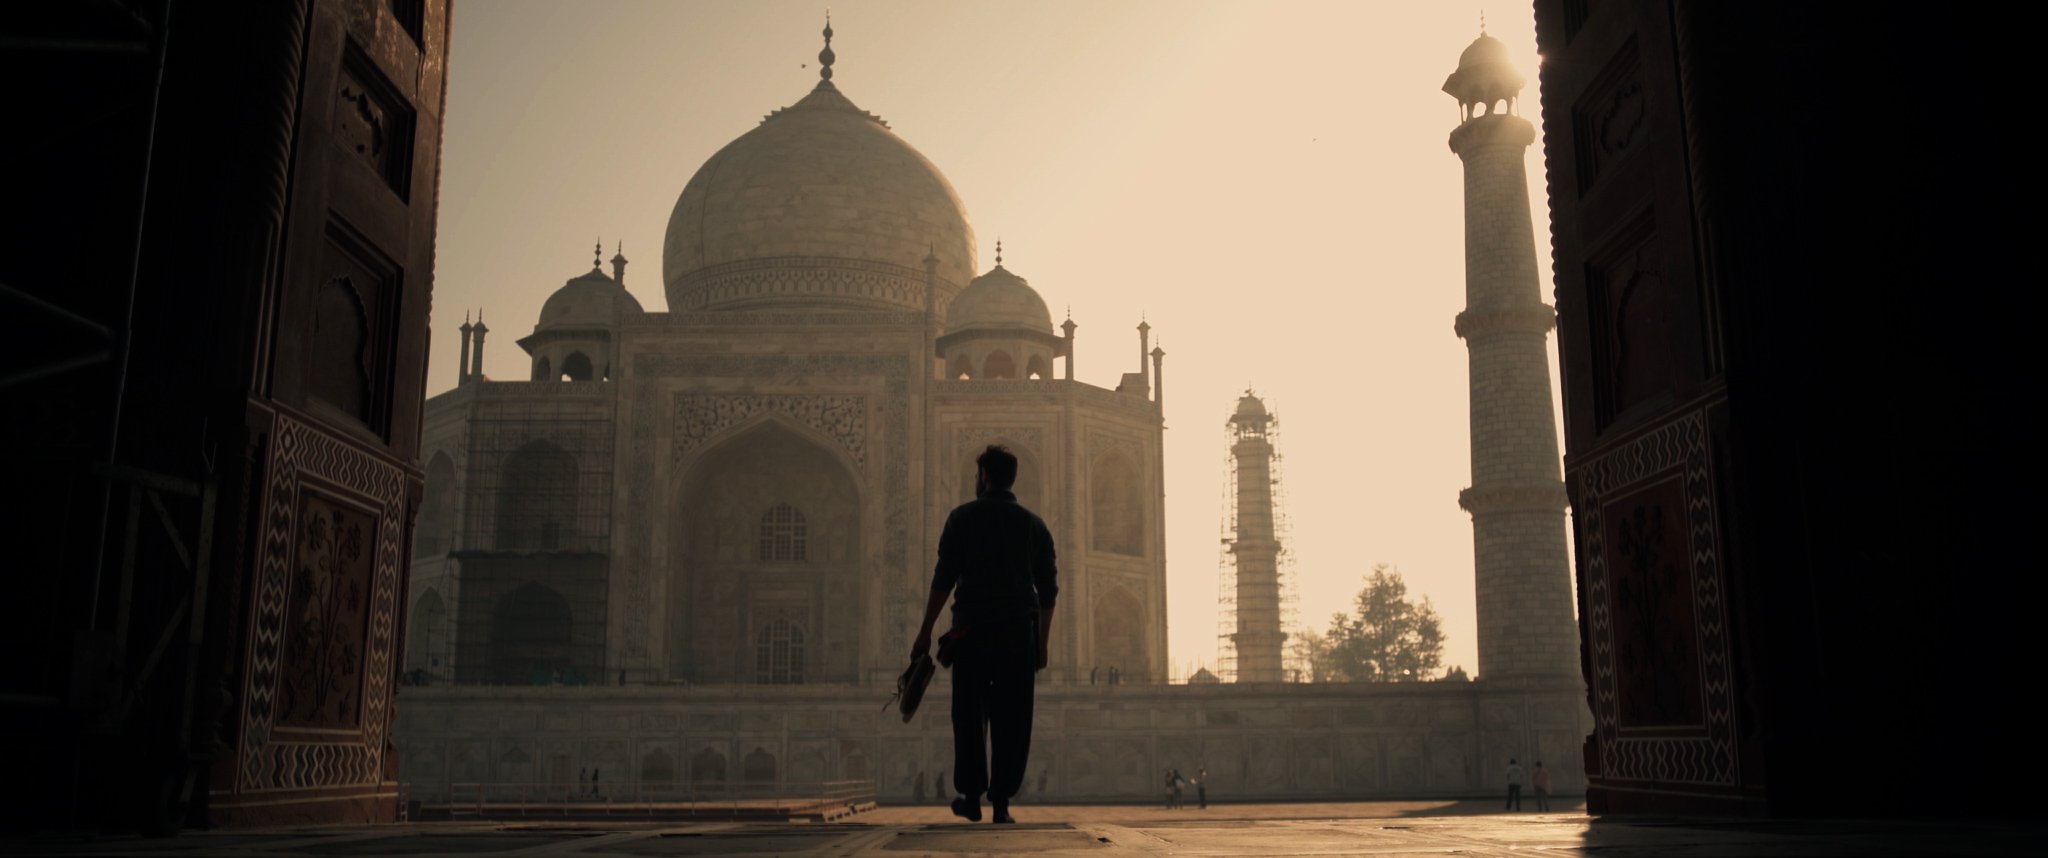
917 789
939 787
1113 675
1202 786
999 556
1091 674
1514 785
1540 779
593 781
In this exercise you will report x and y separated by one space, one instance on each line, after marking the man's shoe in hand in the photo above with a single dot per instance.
967 808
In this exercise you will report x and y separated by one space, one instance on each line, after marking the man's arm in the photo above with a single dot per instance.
1045 579
943 578
1044 634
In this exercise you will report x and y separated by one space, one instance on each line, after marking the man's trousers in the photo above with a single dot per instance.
993 668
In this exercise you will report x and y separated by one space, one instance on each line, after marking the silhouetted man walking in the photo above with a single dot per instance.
999 556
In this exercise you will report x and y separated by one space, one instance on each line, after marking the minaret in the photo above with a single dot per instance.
1255 548
462 374
619 265
1144 353
1067 328
476 357
1517 498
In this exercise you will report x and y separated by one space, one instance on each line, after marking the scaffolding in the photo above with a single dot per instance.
533 552
1235 431
539 469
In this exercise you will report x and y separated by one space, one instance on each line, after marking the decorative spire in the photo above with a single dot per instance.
597 255
825 57
999 251
619 264
1482 22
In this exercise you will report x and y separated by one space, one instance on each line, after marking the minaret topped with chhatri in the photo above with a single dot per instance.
1255 545
1517 498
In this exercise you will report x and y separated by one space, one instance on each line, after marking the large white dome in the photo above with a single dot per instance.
819 206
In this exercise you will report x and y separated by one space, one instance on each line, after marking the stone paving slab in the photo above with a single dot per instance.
1263 831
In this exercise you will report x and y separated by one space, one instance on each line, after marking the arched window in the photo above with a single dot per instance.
540 370
785 537
530 637
960 368
779 654
1116 506
1038 368
998 365
537 499
576 367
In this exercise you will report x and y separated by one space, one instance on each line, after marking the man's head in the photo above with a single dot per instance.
995 470
1511 761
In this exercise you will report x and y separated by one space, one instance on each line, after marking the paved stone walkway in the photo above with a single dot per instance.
1269 831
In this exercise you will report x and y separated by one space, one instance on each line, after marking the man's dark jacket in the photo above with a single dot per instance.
1001 557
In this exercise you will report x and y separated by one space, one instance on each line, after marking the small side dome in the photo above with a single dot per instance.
998 300
1251 411
592 300
1485 74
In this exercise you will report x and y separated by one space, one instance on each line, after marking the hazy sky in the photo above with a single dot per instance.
1267 183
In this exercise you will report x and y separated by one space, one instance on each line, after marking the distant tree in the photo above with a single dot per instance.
1311 650
1456 674
1385 638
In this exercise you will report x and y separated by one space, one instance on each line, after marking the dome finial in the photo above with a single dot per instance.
999 251
1482 22
825 57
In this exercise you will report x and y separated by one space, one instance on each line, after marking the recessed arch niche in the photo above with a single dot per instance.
725 589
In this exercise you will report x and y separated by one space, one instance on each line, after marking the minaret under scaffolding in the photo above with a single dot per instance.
1254 582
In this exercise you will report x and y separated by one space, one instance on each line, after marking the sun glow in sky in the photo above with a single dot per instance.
1268 184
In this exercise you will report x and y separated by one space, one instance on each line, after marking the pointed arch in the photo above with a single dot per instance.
435 532
768 524
537 499
759 767
576 367
1038 368
541 369
1118 623
340 374
998 364
1116 505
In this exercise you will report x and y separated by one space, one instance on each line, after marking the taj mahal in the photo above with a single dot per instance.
690 548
